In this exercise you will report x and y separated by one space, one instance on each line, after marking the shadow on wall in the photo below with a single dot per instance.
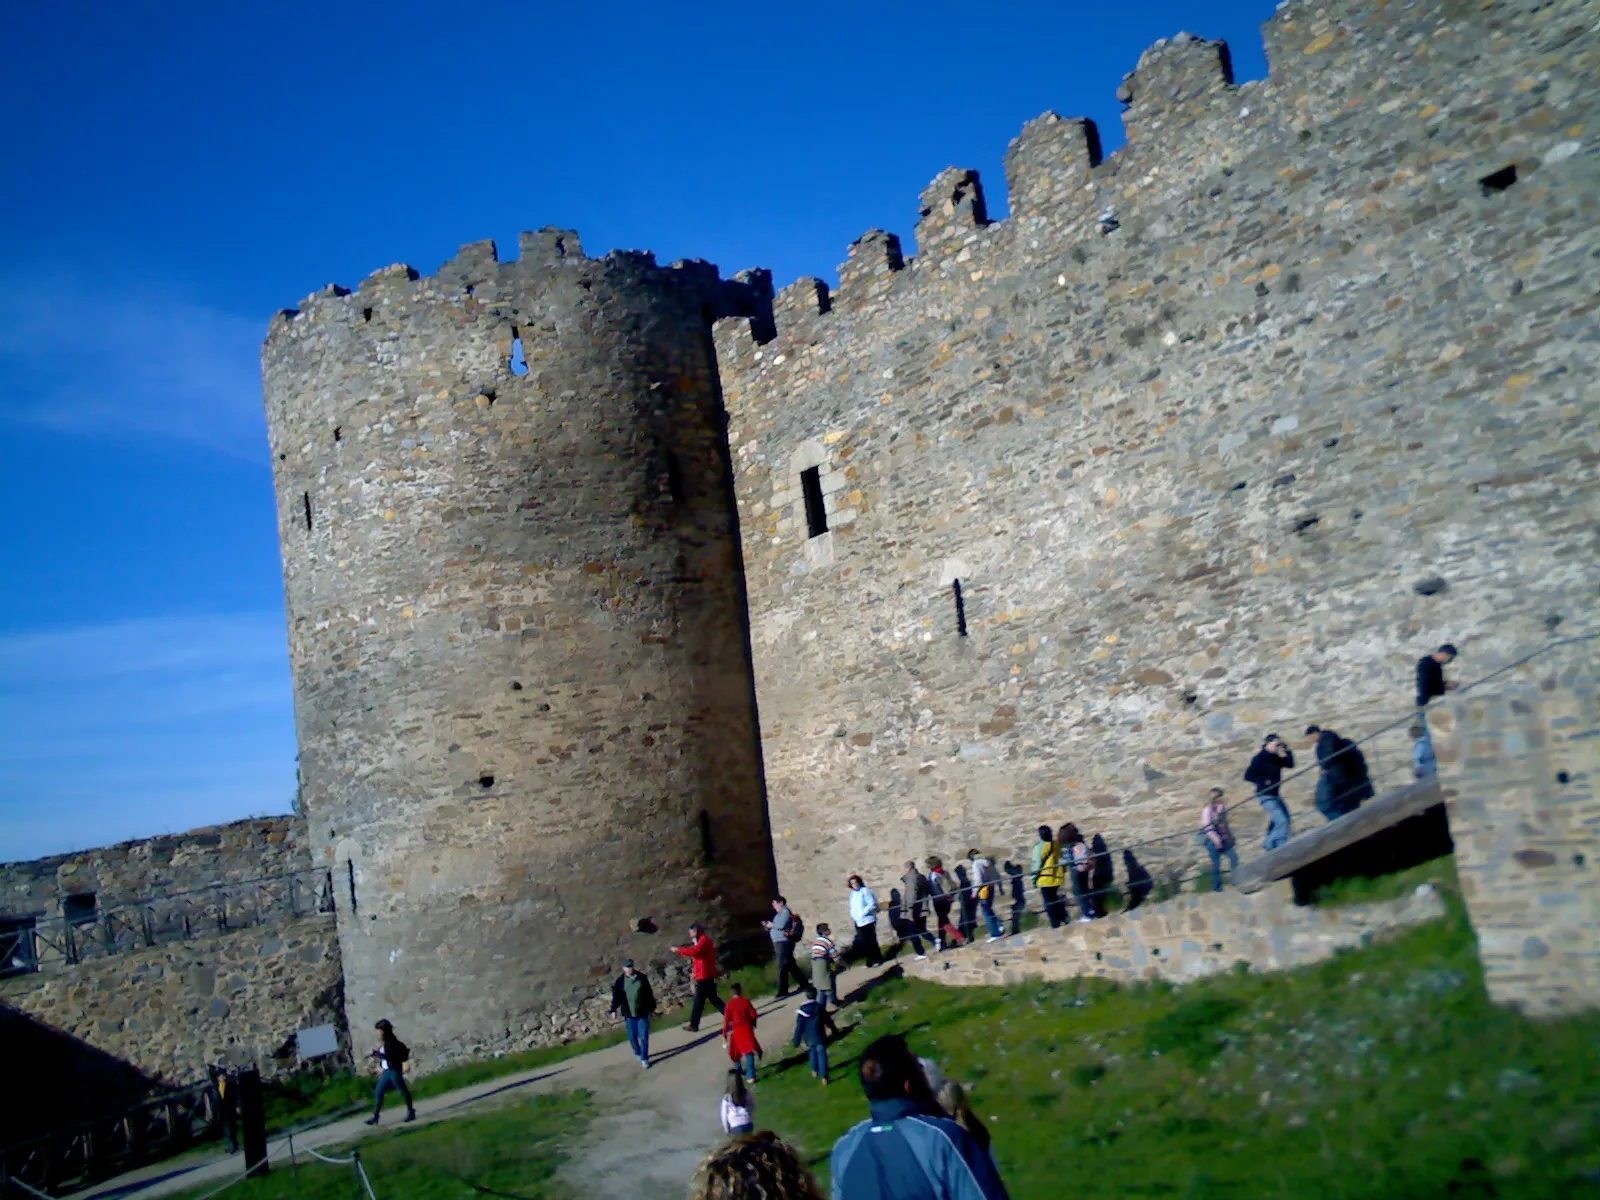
69 1081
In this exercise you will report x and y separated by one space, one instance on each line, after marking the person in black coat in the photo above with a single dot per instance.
1344 783
1140 882
1431 683
1265 770
1102 873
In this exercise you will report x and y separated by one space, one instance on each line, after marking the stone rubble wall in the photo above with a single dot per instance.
1183 939
1525 817
150 867
169 1010
1314 397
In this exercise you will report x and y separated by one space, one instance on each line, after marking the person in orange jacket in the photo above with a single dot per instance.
739 1033
702 956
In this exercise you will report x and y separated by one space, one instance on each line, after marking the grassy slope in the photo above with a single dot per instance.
302 1099
1384 1072
513 1150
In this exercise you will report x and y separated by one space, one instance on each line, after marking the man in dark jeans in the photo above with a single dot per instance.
1265 770
702 956
780 929
392 1056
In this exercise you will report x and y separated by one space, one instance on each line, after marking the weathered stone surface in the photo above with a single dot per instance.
168 1010
522 688
1188 428
1183 939
1525 818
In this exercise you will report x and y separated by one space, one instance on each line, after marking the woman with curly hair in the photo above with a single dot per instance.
759 1166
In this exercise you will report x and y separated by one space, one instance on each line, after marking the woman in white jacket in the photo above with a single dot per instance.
864 915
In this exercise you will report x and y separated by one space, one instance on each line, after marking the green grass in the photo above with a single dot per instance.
1383 1073
1441 872
512 1151
299 1099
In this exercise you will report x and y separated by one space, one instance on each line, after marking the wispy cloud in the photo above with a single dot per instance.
114 362
141 727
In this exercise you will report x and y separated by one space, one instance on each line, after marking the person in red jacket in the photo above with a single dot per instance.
739 1032
702 956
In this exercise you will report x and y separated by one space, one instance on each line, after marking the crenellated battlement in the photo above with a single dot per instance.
1189 126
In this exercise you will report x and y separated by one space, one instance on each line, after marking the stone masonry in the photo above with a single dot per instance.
1217 436
1525 816
1185 938
1052 520
522 684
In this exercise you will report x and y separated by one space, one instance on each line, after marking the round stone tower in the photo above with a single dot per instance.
516 626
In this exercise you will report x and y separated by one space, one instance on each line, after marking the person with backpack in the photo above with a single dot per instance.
1217 838
941 890
812 1028
967 895
1343 784
986 882
1265 771
632 997
913 910
781 929
392 1055
1048 876
824 954
1080 864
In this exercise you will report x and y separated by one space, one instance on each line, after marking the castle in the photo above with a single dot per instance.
620 594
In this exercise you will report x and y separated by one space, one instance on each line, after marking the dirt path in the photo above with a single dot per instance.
652 1129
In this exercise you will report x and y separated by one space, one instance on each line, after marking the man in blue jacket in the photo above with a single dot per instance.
908 1150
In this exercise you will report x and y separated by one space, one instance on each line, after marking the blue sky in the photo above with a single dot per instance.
175 172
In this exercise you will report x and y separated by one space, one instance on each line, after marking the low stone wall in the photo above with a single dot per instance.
168 1010
1525 816
1183 939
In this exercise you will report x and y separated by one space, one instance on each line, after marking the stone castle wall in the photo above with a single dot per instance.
1525 815
1217 436
522 688
1184 939
161 866
168 1010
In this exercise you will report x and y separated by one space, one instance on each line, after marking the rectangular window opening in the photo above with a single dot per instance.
816 510
961 608
305 498
18 950
1498 181
79 908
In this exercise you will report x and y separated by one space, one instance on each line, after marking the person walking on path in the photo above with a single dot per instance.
864 915
914 901
1343 784
907 1149
227 1103
1217 837
824 954
1424 763
1078 862
392 1055
941 890
812 1029
1264 771
739 1032
1140 881
1431 683
1048 876
986 882
632 997
781 929
1016 882
738 1106
702 956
